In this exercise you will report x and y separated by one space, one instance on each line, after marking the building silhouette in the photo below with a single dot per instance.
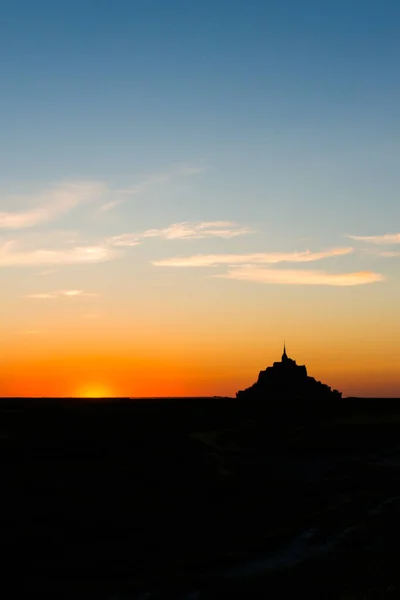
287 380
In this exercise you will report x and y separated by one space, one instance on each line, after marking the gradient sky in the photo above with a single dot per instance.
185 184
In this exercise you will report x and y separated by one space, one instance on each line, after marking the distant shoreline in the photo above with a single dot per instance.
158 398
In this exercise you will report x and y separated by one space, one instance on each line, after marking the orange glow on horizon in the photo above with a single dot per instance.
94 390
192 363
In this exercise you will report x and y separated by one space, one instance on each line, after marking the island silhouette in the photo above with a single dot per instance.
287 380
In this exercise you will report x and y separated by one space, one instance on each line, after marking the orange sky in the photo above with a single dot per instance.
215 354
209 337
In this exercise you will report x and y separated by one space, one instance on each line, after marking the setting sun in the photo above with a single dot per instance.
94 391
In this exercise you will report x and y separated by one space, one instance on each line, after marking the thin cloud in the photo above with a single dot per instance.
109 206
54 202
77 293
173 173
256 274
190 231
385 239
212 260
49 205
182 231
389 254
124 240
43 296
62 294
378 252
12 254
38 251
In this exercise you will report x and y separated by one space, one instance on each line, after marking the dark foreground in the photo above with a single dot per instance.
199 498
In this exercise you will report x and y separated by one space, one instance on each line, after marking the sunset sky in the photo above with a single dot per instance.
185 184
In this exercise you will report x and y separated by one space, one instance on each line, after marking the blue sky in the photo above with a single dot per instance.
268 127
119 89
289 108
110 87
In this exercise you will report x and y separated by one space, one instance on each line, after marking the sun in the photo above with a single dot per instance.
94 390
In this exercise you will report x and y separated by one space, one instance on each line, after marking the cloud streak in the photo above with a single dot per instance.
54 202
194 231
62 294
256 274
49 205
212 260
182 231
385 239
377 251
109 206
122 195
13 254
389 254
124 240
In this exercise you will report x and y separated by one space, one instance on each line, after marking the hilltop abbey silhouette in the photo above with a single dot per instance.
286 379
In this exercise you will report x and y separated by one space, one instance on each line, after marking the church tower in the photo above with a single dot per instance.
284 355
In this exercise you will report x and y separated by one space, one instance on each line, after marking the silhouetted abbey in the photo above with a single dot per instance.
286 379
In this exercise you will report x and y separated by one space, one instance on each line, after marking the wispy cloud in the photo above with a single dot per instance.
124 240
246 267
42 296
385 239
108 206
182 231
121 196
389 254
378 251
14 254
35 209
49 204
212 260
67 248
62 294
78 293
190 231
256 274
172 173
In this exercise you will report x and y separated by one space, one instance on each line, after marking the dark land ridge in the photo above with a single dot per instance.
287 489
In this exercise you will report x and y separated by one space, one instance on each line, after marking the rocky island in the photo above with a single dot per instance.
288 381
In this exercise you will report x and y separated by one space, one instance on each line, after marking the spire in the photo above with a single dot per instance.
284 355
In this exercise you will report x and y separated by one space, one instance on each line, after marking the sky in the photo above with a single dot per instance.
185 185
